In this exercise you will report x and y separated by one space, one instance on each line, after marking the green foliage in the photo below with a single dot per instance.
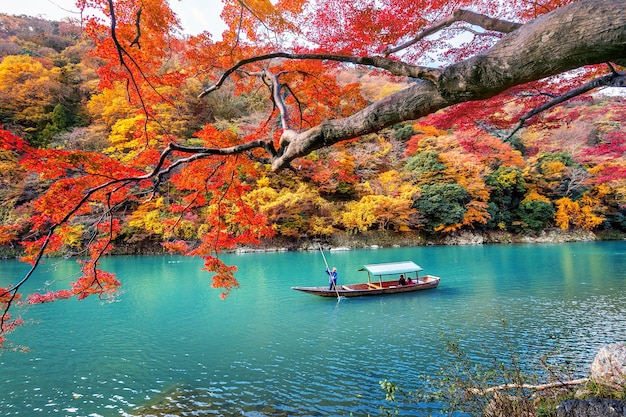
508 189
598 390
425 162
60 117
390 389
534 215
560 156
517 144
403 132
441 205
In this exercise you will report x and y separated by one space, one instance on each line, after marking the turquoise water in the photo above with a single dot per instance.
169 340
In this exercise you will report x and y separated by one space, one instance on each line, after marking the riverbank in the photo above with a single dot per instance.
386 239
375 239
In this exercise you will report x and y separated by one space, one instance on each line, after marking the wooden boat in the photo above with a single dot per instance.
382 285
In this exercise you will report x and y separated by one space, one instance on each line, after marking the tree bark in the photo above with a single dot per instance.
582 33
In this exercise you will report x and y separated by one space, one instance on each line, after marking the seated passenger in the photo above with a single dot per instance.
402 281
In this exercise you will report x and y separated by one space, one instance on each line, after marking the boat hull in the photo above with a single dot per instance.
360 290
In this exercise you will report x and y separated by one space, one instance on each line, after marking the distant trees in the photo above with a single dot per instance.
27 96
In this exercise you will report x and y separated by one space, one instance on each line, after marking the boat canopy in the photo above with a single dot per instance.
392 268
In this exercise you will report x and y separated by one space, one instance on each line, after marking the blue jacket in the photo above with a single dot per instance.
332 276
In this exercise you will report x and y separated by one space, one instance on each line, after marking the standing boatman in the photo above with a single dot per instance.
332 278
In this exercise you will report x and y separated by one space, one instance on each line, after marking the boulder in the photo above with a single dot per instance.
594 407
609 365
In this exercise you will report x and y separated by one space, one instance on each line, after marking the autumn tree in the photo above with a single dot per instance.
468 62
385 205
535 213
28 88
582 214
508 189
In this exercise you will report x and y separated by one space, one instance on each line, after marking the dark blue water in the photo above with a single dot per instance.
169 342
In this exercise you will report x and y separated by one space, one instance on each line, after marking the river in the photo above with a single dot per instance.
169 344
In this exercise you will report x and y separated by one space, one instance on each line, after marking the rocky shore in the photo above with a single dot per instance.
374 239
386 239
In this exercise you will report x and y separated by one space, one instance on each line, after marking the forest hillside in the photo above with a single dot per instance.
436 177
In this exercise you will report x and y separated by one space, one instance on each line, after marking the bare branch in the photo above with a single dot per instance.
138 26
278 98
540 387
233 150
461 15
614 79
394 67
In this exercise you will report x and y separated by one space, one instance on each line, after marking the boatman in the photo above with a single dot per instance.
332 278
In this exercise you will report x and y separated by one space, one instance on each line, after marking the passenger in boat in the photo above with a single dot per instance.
332 278
402 280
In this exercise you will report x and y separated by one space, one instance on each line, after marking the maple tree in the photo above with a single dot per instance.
287 58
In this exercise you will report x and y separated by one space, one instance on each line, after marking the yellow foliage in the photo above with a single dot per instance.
127 138
72 235
388 89
293 212
386 211
203 229
261 197
321 226
110 105
358 216
390 183
8 162
27 88
385 147
508 179
564 209
148 216
406 191
364 187
533 195
184 230
428 130
553 169
577 213
589 207
263 182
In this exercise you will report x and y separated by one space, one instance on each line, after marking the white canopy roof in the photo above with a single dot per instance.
393 268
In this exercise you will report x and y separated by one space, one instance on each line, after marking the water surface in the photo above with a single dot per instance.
169 340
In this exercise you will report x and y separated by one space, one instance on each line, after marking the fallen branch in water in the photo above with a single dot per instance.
540 387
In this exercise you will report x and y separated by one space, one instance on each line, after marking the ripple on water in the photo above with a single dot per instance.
170 345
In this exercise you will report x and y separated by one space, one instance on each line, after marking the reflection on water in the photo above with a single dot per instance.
169 346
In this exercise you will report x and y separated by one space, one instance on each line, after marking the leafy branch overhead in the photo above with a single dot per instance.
582 33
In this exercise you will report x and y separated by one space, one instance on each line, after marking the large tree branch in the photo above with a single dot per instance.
583 33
